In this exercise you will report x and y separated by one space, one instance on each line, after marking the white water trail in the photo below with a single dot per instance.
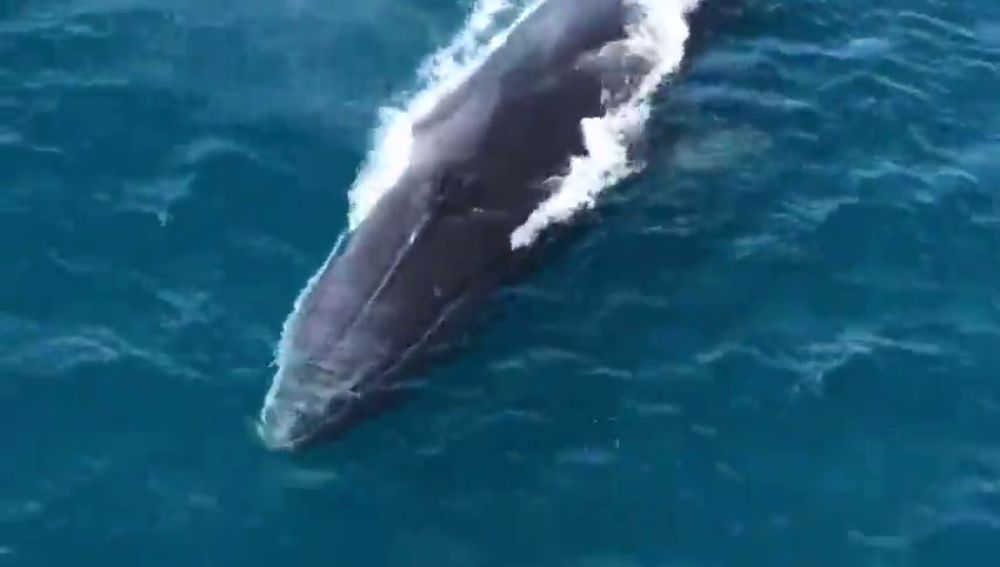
658 35
442 72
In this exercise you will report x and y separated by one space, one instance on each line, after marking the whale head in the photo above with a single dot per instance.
309 403
323 386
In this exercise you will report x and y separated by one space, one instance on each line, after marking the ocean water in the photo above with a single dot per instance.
779 345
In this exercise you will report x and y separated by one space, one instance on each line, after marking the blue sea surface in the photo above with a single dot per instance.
778 346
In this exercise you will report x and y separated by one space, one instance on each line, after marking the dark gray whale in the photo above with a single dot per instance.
440 240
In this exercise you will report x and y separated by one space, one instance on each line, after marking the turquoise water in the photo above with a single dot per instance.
778 346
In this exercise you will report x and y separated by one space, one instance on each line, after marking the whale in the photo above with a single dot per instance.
556 105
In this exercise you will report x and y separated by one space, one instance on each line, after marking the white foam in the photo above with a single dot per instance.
658 34
483 33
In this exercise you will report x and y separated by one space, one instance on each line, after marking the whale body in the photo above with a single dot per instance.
487 157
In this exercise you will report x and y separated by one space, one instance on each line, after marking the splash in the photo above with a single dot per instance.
486 29
657 35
